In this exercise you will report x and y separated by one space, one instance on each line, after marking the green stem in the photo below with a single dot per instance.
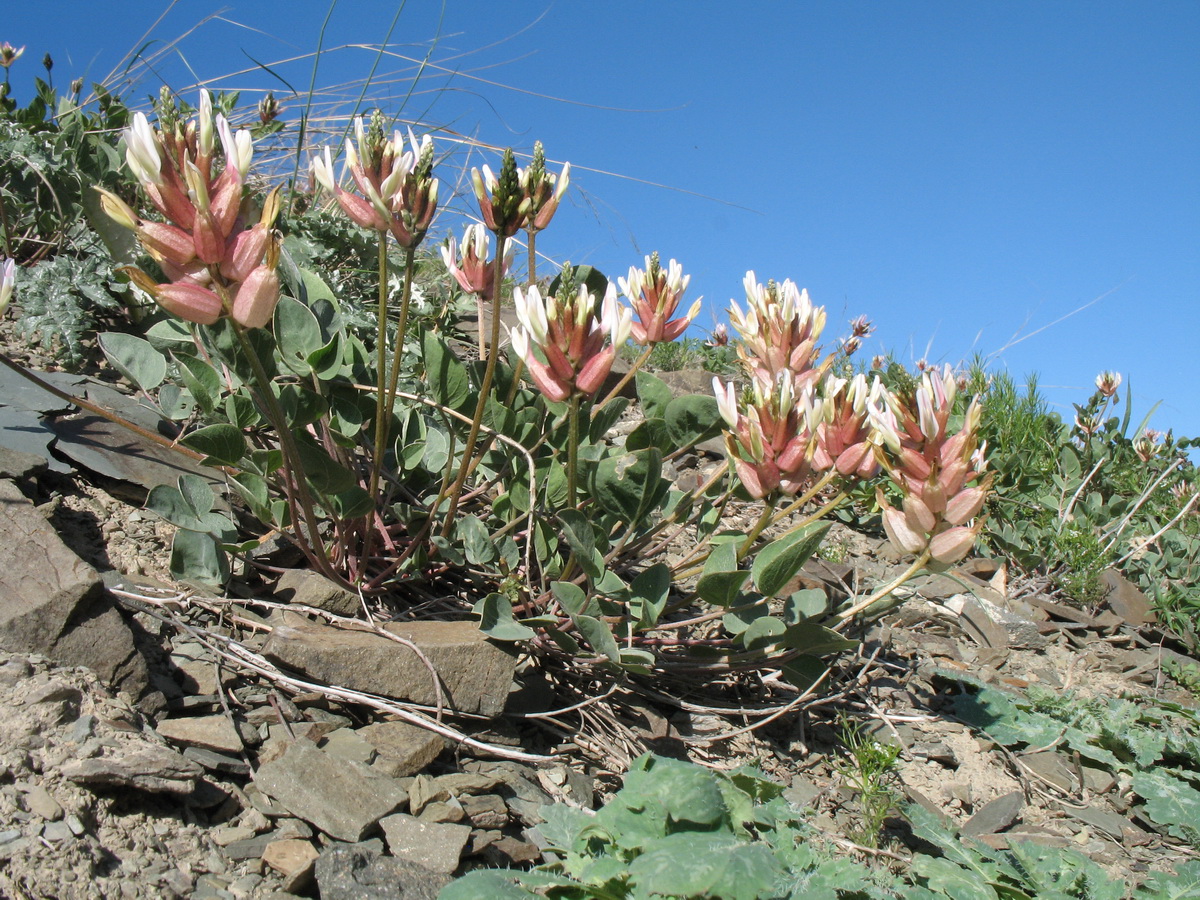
489 374
763 521
381 423
532 256
291 456
846 615
573 450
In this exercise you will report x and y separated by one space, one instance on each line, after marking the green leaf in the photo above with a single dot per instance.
1170 802
198 557
802 672
135 358
944 876
778 562
630 486
717 865
580 536
496 619
325 475
444 372
477 543
804 604
495 884
721 588
297 333
648 595
649 433
175 402
201 379
815 640
599 635
691 419
352 503
569 596
653 394
606 418
221 444
764 631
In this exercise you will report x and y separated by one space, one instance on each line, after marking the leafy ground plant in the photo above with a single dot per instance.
677 830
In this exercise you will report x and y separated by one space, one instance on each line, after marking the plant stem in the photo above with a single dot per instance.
573 449
291 456
489 374
846 615
532 243
763 521
381 427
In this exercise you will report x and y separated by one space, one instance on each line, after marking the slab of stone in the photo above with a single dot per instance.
55 603
342 798
362 872
305 587
1052 767
150 768
996 815
1125 599
293 859
403 749
437 846
1115 826
217 762
476 674
16 464
210 732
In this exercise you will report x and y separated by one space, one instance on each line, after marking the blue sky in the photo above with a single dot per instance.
965 174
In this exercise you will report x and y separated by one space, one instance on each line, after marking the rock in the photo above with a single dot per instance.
218 762
1123 598
210 732
1052 767
15 464
344 799
434 845
486 811
41 803
476 674
1115 826
508 851
687 381
295 860
403 749
305 587
991 625
55 603
150 768
347 743
360 872
995 816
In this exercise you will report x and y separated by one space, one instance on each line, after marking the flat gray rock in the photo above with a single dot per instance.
157 770
434 845
342 798
476 674
996 815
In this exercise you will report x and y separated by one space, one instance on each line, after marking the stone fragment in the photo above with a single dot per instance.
211 732
996 815
56 832
217 762
362 872
15 464
304 587
347 743
40 802
343 799
443 811
1115 826
434 845
485 811
150 768
1052 767
403 749
1123 597
295 860
55 603
508 851
195 670
475 673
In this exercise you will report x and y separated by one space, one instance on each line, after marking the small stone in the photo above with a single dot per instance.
217 762
435 846
150 768
82 729
443 811
210 732
485 811
294 860
76 825
346 743
508 851
57 831
41 803
1053 768
403 749
996 815
231 834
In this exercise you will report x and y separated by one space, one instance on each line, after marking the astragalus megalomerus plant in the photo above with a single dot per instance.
406 463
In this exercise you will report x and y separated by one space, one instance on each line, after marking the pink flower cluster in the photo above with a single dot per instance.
217 263
941 476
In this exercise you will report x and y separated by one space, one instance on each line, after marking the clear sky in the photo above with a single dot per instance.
965 174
